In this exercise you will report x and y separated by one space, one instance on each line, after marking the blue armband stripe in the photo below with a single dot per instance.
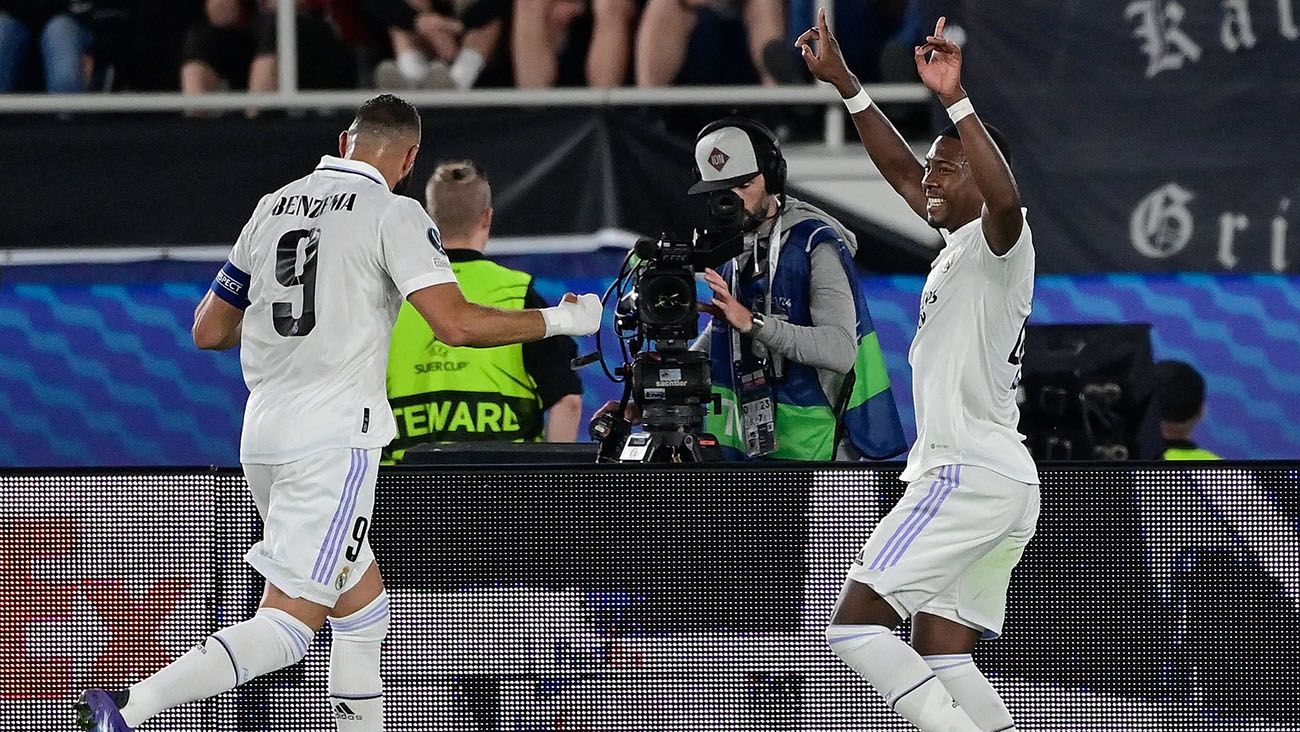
231 285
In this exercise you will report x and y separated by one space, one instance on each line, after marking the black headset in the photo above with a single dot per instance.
767 150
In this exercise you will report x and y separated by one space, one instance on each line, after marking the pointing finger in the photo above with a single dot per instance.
806 37
938 27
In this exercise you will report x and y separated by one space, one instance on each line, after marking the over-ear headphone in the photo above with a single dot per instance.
767 150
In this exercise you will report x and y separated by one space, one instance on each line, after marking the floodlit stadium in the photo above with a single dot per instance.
764 365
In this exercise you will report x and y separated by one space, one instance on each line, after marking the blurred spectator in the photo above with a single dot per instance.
438 45
324 60
544 28
235 48
667 26
219 49
46 30
1180 401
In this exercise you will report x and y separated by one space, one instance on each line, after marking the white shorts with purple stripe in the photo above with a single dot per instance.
950 544
316 512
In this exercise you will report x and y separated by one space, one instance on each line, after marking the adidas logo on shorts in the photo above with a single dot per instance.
343 711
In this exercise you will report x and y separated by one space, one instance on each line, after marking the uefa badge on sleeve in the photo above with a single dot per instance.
342 580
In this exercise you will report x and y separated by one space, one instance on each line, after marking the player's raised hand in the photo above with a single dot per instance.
826 61
939 63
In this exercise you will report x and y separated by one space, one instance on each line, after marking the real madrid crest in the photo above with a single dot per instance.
342 580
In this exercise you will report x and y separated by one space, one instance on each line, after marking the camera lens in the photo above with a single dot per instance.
666 298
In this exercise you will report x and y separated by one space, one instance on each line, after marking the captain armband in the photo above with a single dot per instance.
231 285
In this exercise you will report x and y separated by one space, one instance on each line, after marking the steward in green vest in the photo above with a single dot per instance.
441 393
794 357
1180 401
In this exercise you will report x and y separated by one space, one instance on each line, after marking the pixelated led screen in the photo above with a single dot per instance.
664 599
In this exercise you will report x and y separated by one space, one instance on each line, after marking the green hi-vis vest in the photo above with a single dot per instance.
1189 453
442 393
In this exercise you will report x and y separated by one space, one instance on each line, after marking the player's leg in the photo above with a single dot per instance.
947 645
271 640
946 630
278 635
359 623
307 556
861 633
938 529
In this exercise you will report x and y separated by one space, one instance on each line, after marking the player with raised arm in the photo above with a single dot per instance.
944 555
310 292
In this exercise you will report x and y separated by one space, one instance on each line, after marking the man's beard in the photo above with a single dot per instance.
754 219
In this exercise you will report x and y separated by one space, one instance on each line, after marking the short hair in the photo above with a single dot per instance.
457 195
1179 392
387 115
998 138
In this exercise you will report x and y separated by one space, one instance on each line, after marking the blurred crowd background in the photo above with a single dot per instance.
200 46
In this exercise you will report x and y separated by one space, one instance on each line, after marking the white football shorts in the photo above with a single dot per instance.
316 514
949 545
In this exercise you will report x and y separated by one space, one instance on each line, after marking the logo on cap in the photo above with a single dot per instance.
718 159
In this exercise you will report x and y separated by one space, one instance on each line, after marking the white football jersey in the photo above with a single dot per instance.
329 259
966 357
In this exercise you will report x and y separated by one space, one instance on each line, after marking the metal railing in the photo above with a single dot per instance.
290 97
810 95
287 99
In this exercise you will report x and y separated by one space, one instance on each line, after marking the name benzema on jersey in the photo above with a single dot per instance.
312 207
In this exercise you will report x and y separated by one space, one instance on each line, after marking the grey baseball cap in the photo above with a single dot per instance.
725 158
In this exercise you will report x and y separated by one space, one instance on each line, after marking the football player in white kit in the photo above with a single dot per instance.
943 556
310 292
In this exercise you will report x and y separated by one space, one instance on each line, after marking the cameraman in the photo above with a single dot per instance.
794 355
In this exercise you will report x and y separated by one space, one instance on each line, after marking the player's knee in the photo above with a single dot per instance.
294 637
367 625
269 641
845 640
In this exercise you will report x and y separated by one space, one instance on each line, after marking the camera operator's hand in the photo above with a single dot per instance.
576 315
724 305
632 414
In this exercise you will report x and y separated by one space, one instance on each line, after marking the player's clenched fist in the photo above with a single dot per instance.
576 315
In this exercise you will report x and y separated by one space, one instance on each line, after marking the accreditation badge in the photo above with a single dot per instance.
757 409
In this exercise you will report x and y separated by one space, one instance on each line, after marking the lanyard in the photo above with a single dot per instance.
773 253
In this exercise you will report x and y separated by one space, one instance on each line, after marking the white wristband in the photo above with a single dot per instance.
557 320
960 110
858 102
578 317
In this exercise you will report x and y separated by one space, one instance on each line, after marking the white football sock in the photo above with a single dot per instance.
972 691
900 676
466 68
356 690
412 64
267 642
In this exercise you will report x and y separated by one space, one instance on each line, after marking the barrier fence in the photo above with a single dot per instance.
648 598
